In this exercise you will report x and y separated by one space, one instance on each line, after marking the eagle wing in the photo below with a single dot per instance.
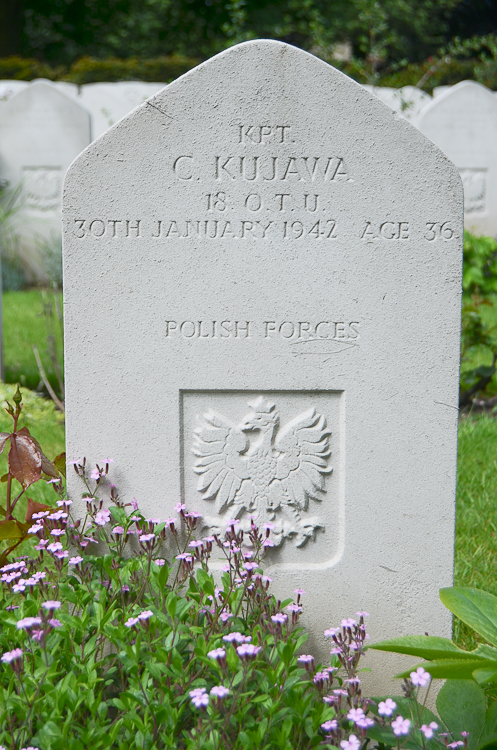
217 445
304 456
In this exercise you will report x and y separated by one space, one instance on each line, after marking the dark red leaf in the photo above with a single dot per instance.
47 466
24 459
34 507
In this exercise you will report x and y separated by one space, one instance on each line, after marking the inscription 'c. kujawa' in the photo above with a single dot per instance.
302 330
263 168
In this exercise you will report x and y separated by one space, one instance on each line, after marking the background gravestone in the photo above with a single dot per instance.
265 258
104 104
41 132
463 123
136 92
408 101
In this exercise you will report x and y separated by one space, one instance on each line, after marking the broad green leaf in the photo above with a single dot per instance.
461 705
424 646
385 736
408 707
485 651
454 669
11 530
474 607
490 728
482 676
488 742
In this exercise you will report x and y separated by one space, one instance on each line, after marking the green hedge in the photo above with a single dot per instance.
166 68
89 70
92 70
435 73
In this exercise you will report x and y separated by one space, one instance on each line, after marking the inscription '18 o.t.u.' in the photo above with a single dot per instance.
254 467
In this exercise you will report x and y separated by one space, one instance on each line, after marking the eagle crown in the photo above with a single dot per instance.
261 417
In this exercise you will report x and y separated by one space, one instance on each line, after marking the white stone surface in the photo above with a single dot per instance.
463 124
110 102
266 232
69 89
41 132
105 107
440 90
135 93
10 87
408 101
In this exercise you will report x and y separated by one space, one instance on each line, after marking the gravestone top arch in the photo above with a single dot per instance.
267 252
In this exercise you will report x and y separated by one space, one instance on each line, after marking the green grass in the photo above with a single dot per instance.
476 522
25 326
476 526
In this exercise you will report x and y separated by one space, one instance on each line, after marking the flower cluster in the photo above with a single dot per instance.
149 620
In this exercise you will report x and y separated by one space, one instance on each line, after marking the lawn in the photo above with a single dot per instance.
476 524
29 319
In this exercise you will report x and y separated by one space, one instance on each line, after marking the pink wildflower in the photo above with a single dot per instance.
102 517
428 730
386 707
400 726
248 651
420 677
351 744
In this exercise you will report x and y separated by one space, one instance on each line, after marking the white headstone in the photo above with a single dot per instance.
463 124
104 104
440 90
41 132
407 101
10 87
69 89
267 241
135 93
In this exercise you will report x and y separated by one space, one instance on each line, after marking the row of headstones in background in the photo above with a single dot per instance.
45 125
106 102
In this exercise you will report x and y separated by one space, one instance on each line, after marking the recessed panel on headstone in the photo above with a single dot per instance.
41 132
262 310
462 121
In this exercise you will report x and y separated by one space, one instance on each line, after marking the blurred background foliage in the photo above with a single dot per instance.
397 42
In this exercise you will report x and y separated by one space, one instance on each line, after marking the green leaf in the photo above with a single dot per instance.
409 707
485 675
11 530
474 607
454 669
461 705
488 743
205 581
424 646
490 728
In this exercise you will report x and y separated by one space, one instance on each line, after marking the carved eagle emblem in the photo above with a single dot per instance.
257 468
